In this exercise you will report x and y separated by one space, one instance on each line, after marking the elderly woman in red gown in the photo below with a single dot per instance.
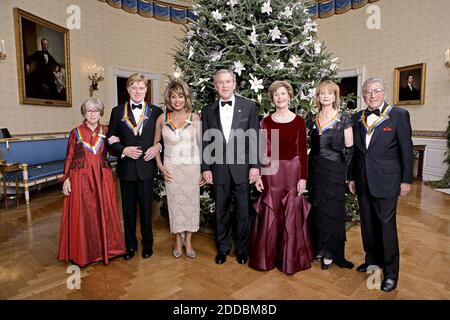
90 224
280 236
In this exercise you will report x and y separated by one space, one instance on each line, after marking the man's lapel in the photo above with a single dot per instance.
377 130
130 113
237 113
216 116
149 115
361 132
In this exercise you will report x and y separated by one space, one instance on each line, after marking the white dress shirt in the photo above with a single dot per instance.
137 113
226 117
370 120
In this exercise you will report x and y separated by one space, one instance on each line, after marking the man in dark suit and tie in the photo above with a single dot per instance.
409 92
381 169
41 81
230 128
133 123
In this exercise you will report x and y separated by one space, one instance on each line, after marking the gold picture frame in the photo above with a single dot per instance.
43 61
409 85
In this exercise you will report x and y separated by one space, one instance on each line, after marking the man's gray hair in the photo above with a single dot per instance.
223 71
372 80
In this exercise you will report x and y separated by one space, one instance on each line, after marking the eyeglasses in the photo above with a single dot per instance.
375 91
92 111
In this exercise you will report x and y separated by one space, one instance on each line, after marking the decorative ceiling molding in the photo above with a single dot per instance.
327 8
181 11
173 11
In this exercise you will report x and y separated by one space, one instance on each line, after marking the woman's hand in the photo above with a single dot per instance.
301 186
166 174
113 139
202 181
66 189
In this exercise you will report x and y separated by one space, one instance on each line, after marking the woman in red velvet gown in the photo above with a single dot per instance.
280 236
90 224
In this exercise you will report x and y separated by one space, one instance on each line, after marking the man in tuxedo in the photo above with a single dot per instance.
133 123
409 92
230 128
41 81
381 169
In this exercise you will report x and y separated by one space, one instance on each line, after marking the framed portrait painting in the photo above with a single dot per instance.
409 85
43 61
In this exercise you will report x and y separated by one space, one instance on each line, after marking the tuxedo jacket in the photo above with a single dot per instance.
388 160
130 169
407 94
238 155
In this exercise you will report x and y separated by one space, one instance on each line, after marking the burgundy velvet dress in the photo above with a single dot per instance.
90 223
280 236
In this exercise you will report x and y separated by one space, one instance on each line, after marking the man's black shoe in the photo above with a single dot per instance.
147 253
242 258
129 255
221 257
362 268
388 285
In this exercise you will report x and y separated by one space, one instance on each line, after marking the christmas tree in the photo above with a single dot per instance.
261 41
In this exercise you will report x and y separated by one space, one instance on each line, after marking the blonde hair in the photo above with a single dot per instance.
280 84
181 88
94 103
330 85
136 77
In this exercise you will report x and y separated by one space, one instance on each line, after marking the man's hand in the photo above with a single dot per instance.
66 189
259 184
151 153
132 152
352 187
253 175
207 175
405 188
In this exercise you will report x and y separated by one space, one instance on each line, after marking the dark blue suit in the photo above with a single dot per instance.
378 170
230 169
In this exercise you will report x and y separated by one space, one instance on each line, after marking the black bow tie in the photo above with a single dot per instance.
134 106
224 103
368 112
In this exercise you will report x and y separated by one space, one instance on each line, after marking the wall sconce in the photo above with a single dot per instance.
2 51
447 58
95 75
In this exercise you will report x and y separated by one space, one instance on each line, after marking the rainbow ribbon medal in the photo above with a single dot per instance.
130 125
329 125
171 125
96 146
383 117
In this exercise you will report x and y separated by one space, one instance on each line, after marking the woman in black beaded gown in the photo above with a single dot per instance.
331 145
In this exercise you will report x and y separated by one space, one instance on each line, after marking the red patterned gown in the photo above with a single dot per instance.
90 225
280 236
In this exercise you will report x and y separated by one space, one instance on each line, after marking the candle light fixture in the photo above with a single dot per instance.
95 75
